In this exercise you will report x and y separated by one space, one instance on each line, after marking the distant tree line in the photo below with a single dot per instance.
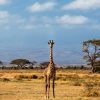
23 64
26 64
91 50
19 64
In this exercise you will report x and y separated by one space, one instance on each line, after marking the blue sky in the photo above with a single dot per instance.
27 25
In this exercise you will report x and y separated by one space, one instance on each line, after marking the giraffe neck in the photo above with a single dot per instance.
51 55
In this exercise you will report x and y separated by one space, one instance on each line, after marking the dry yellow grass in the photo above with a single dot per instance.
69 85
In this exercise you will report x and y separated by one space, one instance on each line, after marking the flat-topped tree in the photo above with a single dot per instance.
20 62
91 49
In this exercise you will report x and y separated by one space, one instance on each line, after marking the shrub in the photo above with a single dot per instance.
73 77
97 69
1 75
34 77
90 90
76 83
4 79
57 78
20 77
40 77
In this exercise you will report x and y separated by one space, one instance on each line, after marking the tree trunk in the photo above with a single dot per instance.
93 69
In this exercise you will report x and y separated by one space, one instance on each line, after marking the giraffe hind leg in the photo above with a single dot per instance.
53 87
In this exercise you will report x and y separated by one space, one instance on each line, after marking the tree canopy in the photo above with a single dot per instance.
20 62
1 62
97 63
91 49
33 62
44 63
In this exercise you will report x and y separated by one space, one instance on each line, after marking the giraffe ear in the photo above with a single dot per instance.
49 42
53 42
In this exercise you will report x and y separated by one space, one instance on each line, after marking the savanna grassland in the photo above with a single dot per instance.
29 85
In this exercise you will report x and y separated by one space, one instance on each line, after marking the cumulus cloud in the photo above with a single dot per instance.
4 14
65 19
2 2
44 21
82 5
68 19
38 7
8 20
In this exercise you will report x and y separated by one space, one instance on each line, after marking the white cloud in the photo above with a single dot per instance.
67 19
2 2
8 20
96 26
82 4
38 7
48 22
4 14
27 27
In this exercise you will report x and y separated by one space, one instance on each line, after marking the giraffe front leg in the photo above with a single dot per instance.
45 79
48 87
53 87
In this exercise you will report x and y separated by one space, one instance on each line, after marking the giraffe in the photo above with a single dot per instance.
50 73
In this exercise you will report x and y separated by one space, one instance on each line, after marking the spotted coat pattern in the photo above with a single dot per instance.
50 73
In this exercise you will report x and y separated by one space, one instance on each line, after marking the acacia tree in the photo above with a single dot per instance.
97 63
20 62
1 63
44 64
91 49
33 63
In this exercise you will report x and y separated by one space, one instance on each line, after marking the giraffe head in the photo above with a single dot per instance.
51 43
